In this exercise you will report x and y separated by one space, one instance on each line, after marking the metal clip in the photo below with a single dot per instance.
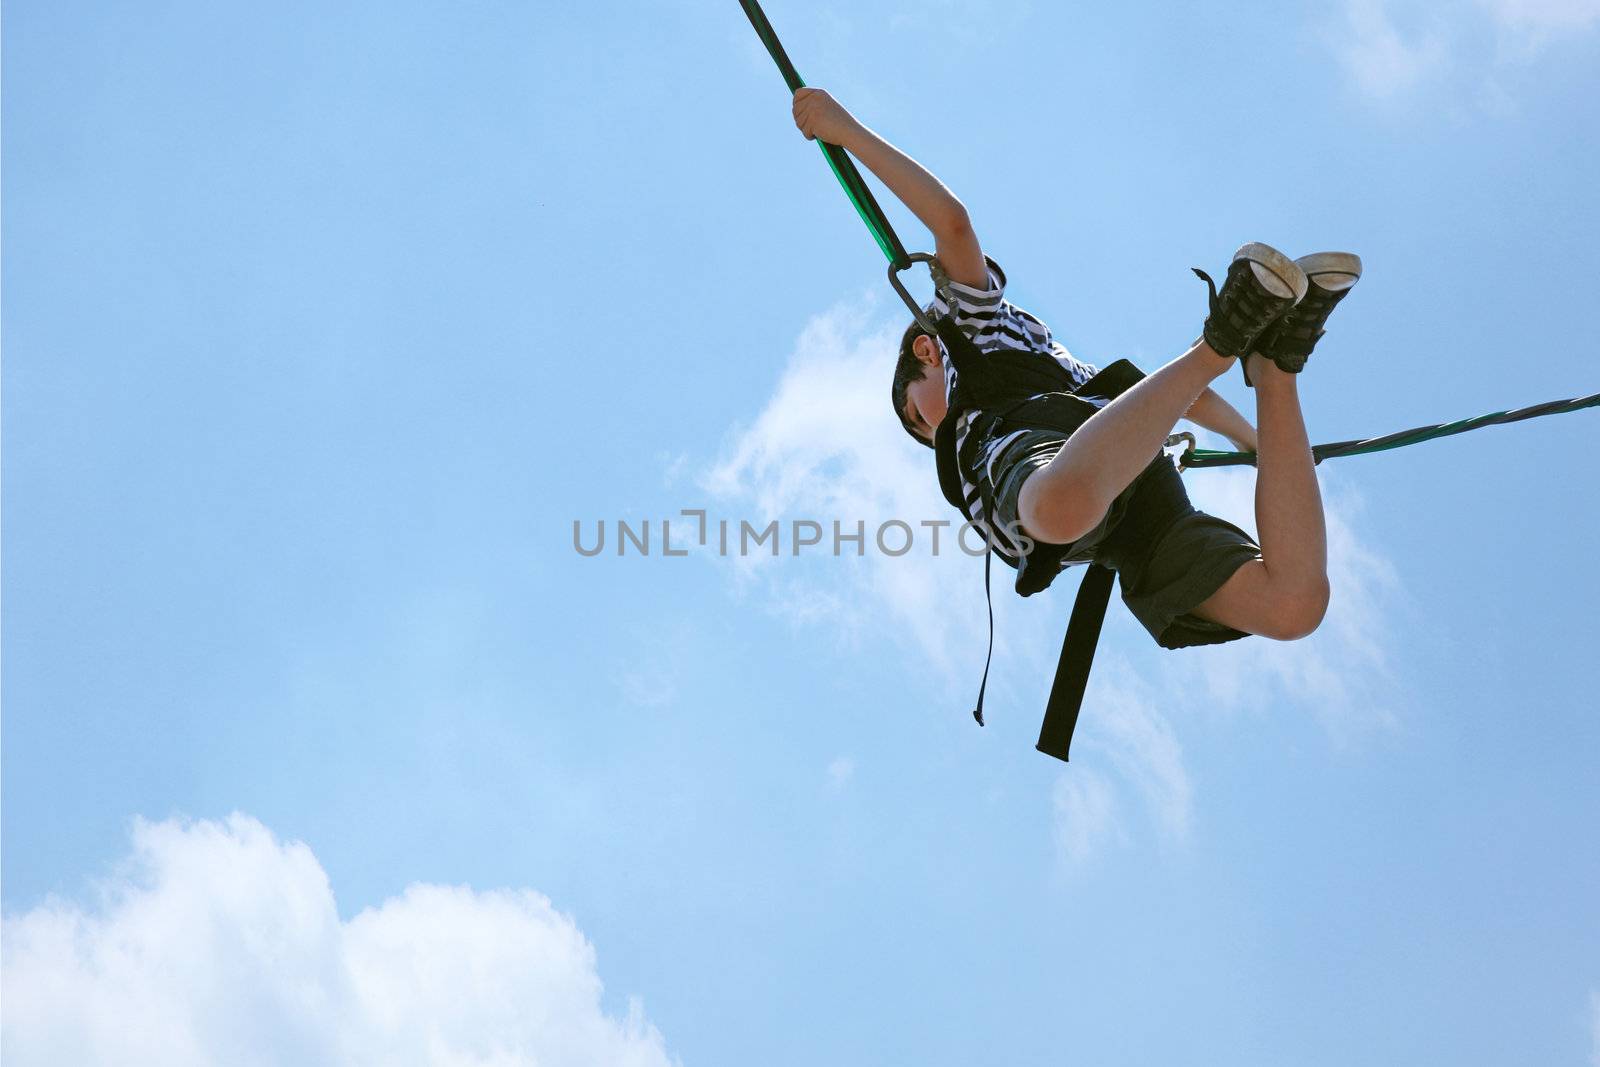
917 311
1183 437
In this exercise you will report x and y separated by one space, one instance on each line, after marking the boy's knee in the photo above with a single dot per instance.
1054 514
1299 612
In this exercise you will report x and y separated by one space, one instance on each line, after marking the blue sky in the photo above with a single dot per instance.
324 324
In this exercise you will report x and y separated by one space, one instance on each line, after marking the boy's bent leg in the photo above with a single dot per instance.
1067 498
1284 594
1251 601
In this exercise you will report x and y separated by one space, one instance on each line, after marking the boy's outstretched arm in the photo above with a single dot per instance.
1213 413
821 116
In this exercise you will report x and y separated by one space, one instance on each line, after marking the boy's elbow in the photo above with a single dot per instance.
957 247
953 221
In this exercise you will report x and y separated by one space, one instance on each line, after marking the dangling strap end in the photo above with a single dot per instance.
988 596
1077 654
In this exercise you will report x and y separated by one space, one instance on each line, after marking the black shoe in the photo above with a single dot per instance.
1289 341
1262 284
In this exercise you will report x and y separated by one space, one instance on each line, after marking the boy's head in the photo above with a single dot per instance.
918 390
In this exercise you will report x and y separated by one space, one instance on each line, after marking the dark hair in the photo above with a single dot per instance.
907 369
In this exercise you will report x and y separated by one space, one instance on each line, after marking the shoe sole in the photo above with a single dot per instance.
1276 272
1333 271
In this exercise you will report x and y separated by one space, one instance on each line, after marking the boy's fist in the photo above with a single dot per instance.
819 115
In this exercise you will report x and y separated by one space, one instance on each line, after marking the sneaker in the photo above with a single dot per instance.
1262 284
1289 341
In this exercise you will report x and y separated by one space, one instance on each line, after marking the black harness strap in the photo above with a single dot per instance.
988 657
999 382
1077 655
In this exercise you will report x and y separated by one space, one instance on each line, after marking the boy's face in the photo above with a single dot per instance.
925 400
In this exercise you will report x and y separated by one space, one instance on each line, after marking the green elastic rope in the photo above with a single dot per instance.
839 162
1205 457
865 205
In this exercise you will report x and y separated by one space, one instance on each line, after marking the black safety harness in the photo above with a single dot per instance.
1024 390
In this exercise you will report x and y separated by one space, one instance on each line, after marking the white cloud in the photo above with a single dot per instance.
1085 813
1142 744
1383 60
1122 731
1537 21
218 944
827 446
1395 47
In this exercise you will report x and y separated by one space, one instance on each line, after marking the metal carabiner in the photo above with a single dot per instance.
1182 437
917 311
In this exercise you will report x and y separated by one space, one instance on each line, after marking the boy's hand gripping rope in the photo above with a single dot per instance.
844 168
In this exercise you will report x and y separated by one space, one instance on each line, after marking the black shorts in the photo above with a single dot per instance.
1168 556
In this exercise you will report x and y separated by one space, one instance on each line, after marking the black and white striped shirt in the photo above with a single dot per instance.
993 322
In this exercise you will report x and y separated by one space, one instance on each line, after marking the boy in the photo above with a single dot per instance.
1102 490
